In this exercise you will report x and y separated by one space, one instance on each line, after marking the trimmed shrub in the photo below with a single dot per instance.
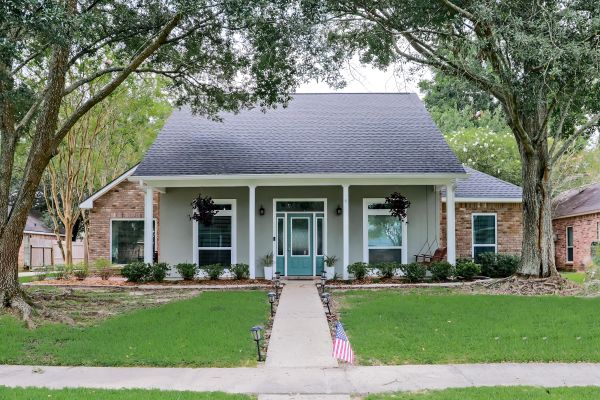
214 271
103 268
386 270
414 272
240 271
61 272
441 270
359 270
187 271
136 271
158 272
81 271
467 269
498 265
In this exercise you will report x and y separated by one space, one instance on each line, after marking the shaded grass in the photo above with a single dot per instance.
98 394
388 327
210 330
577 277
498 393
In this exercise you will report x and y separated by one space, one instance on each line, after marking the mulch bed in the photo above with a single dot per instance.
122 282
521 286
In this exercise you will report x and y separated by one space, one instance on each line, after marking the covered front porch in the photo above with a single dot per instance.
292 224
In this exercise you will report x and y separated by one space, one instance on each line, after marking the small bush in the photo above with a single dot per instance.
414 272
467 269
187 270
81 271
214 271
386 270
136 271
441 270
240 271
103 268
60 272
158 272
359 270
498 265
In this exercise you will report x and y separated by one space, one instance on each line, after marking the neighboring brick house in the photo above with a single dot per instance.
494 207
576 223
116 221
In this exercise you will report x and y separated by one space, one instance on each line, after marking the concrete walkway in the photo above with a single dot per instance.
306 381
300 335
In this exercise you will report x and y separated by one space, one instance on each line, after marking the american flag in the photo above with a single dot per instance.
341 347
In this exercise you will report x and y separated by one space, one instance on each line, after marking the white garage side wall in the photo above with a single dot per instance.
176 226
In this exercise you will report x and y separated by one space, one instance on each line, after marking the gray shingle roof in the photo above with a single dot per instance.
316 133
585 200
480 185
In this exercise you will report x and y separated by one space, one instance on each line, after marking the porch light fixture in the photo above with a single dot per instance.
271 300
255 331
326 297
338 210
261 210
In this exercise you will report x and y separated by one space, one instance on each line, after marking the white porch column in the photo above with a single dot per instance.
252 231
345 230
450 224
148 228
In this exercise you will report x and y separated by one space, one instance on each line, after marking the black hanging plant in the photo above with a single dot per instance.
398 205
203 210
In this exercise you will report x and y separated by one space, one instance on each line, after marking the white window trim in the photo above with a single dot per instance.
366 213
233 248
322 234
567 247
276 252
473 245
275 212
110 229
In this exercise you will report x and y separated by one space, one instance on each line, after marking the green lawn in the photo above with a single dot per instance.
498 393
210 330
577 277
97 394
391 327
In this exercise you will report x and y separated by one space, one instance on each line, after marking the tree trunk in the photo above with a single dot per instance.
11 293
538 244
68 245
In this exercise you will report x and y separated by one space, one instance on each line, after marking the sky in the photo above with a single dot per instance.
365 79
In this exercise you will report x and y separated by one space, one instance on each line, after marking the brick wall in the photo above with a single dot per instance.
585 231
126 200
509 221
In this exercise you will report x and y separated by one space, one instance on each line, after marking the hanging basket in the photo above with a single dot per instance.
398 205
203 210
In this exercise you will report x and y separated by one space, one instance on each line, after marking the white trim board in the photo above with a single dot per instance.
485 200
89 202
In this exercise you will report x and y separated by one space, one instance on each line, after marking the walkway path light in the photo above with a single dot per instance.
323 280
256 330
326 297
277 288
271 300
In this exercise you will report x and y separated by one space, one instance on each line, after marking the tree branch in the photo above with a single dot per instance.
591 122
120 78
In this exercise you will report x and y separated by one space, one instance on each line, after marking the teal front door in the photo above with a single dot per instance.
300 244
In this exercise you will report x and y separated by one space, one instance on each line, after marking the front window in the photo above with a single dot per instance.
383 235
484 234
569 244
215 242
127 241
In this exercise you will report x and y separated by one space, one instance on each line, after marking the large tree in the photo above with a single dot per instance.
216 55
539 59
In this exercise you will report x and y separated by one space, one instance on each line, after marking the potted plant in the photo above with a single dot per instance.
267 262
329 266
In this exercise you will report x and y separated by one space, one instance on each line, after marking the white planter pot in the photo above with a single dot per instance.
330 272
269 273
